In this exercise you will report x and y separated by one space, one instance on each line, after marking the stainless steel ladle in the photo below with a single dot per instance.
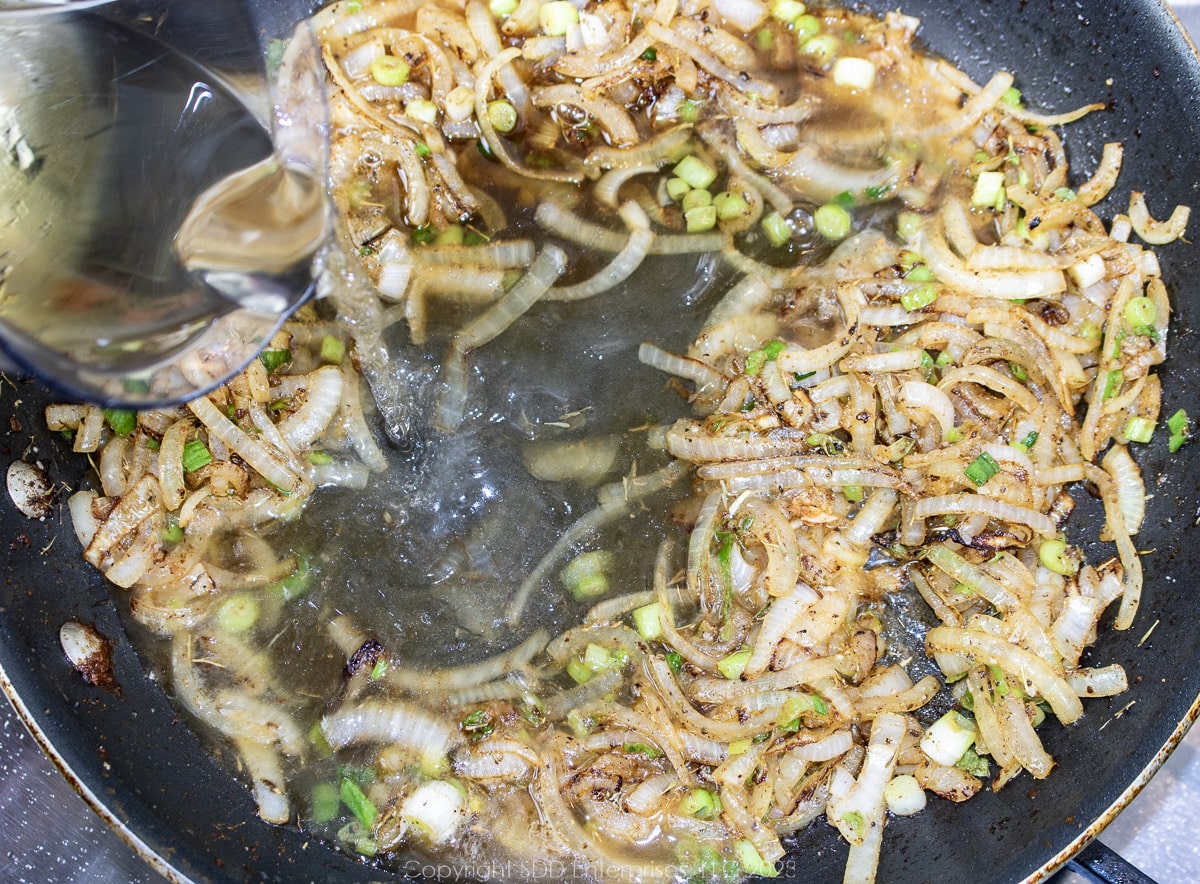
153 234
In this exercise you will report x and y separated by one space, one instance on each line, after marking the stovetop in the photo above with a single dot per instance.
48 834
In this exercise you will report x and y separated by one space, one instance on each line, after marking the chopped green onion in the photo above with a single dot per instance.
1181 430
320 458
919 273
121 420
426 233
597 657
579 671
756 359
806 26
1028 442
453 235
918 297
730 206
585 576
325 803
1058 557
503 8
700 219
388 70
501 113
821 48
172 533
675 662
696 199
642 749
845 199
828 443
908 225
195 456
151 443
647 620
473 237
478 724
689 111
877 192
764 38
943 359
238 613
981 469
356 800
954 434
1141 314
557 16
1139 429
333 350
295 584
1018 371
423 149
832 221
973 763
750 860
927 365
273 360
787 11
677 189
580 726
739 747
700 804
695 172
948 738
735 664
853 493
776 228
989 188
1112 383
650 54
1066 194
379 670
1012 96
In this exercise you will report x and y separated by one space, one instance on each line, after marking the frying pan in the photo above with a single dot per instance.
139 766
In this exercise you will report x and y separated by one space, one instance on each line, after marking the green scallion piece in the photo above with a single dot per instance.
172 533
764 39
121 420
319 458
675 662
502 115
1058 557
641 749
981 469
778 231
677 189
919 273
557 17
756 359
689 111
238 613
1066 194
503 8
325 803
426 233
734 665
358 803
1029 441
423 149
273 360
585 576
1113 382
647 620
918 297
1140 314
853 493
453 235
1139 429
478 724
650 54
333 350
822 48
1012 96
695 172
730 206
195 456
700 219
1018 371
696 198
876 192
832 221
700 804
751 861
389 70
1181 430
